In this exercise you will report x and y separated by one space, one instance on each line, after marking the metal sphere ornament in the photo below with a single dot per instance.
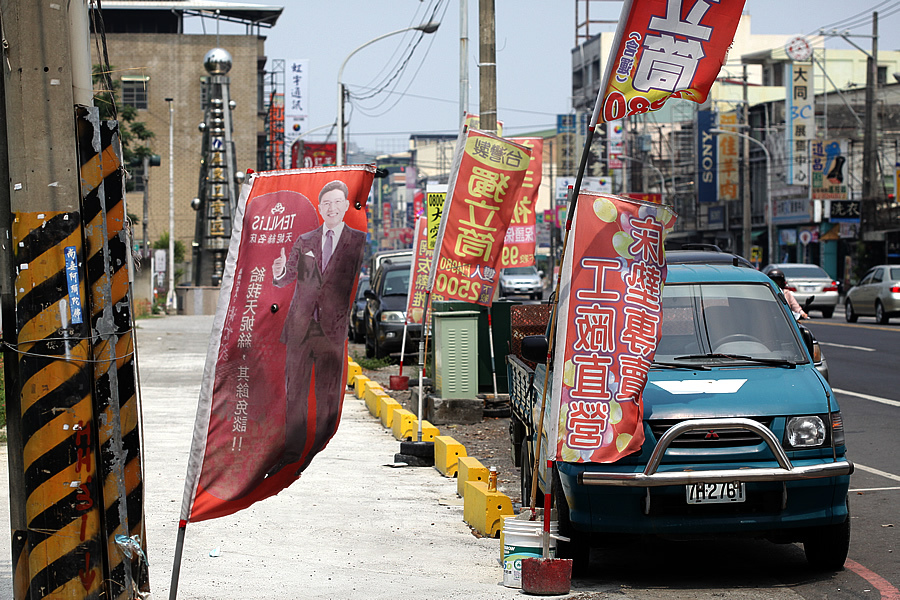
217 61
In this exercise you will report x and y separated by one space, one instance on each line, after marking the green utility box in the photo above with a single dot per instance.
502 331
456 353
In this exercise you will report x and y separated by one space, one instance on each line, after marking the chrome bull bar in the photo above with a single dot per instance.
784 472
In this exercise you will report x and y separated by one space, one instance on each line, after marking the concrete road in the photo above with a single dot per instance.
351 527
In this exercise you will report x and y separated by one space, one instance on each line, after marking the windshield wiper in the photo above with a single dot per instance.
778 362
671 365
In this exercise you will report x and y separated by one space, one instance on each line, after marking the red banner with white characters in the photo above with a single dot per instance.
481 199
665 49
520 241
273 385
418 273
608 326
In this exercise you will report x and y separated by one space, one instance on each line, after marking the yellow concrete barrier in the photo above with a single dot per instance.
358 383
469 469
447 453
388 406
353 369
370 385
373 400
406 426
482 509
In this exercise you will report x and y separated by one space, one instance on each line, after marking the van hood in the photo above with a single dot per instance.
735 392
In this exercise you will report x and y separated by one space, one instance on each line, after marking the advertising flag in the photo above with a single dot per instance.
608 328
665 49
273 385
828 160
487 174
520 241
418 273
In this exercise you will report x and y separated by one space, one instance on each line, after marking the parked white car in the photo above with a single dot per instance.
523 281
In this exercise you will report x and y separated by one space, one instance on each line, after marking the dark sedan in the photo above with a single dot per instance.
386 312
357 331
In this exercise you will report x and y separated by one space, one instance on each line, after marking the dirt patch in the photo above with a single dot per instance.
487 441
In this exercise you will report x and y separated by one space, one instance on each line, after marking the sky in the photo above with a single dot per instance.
534 40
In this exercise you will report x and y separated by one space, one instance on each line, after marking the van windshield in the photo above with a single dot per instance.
717 318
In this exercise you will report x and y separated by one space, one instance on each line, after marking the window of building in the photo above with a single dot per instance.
135 91
204 92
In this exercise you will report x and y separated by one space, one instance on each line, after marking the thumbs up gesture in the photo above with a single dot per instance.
278 265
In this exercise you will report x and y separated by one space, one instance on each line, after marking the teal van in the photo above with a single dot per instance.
743 435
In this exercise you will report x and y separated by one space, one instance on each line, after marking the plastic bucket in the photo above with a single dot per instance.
399 382
521 540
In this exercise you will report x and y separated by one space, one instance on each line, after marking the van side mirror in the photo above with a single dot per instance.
541 274
809 339
370 295
534 348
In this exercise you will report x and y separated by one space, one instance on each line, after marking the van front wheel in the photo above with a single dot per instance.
826 547
578 548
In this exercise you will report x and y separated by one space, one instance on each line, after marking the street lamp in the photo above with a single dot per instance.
429 27
170 296
772 257
662 180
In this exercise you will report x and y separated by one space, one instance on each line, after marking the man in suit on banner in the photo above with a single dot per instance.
324 263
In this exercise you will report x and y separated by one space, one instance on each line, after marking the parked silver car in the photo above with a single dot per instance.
876 295
521 280
809 280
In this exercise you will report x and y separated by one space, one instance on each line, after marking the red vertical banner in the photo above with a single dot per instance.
273 385
608 326
520 241
665 49
418 275
481 200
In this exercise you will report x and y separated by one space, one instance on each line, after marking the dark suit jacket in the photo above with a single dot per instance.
332 290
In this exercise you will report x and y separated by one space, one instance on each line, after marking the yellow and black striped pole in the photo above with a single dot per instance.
107 249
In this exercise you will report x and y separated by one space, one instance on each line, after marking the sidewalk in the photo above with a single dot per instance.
351 527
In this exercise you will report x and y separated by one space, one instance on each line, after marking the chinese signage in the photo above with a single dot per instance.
484 183
418 274
827 160
308 155
74 285
609 326
296 102
800 117
707 157
615 134
435 196
844 211
665 49
283 312
729 177
520 242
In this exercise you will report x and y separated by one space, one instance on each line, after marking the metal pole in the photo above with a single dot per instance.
170 295
145 222
429 27
747 232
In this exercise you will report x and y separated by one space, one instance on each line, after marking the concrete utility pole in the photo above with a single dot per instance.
487 68
463 58
870 136
69 352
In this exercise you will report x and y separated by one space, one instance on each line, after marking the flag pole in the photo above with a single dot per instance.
423 345
573 200
491 342
176 567
403 345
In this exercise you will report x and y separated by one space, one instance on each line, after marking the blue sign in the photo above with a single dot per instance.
707 157
565 123
73 283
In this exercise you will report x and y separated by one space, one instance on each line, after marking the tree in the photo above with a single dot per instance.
131 132
163 244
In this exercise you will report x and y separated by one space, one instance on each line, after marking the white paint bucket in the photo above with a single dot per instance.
523 539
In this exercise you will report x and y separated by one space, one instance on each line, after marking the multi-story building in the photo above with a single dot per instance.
152 59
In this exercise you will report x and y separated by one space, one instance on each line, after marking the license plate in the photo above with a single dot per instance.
715 493
808 288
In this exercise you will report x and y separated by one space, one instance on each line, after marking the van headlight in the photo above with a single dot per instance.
805 432
393 316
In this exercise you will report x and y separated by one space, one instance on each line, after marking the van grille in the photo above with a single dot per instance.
714 438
